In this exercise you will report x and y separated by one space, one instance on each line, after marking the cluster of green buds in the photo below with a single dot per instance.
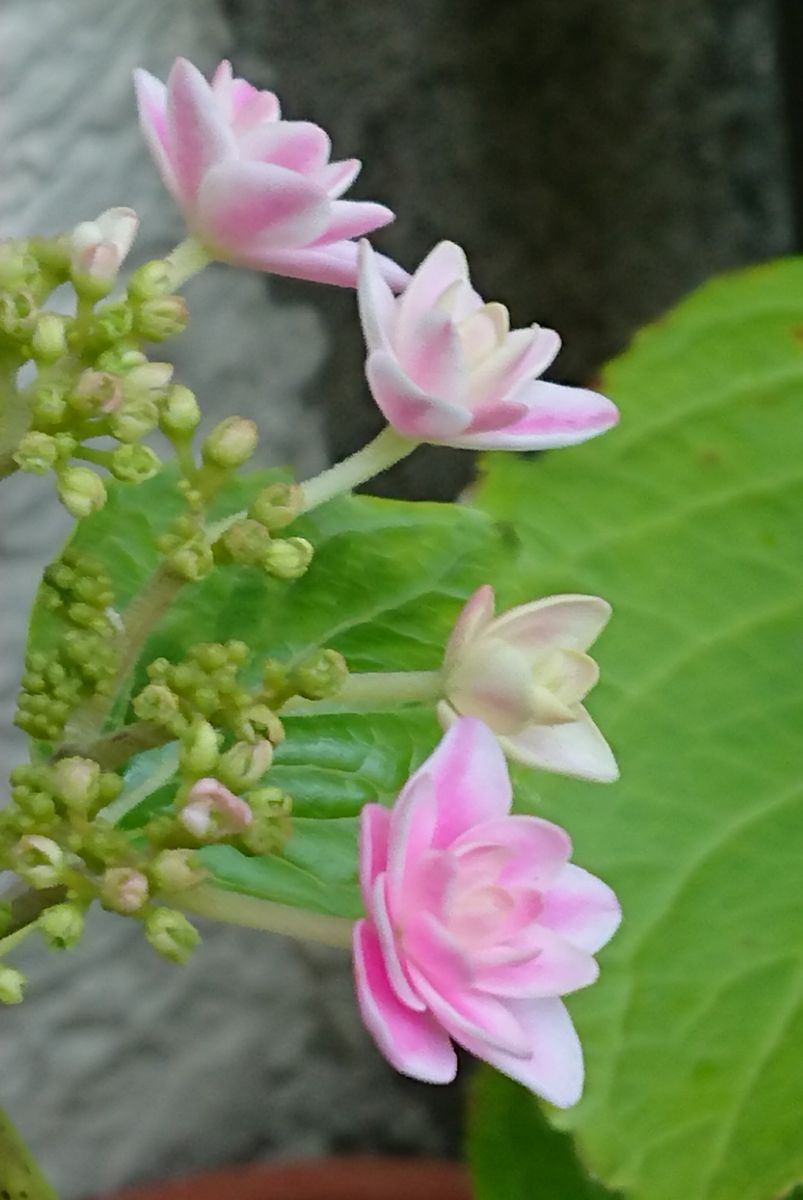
82 662
251 540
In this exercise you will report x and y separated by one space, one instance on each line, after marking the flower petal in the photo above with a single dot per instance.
375 300
554 1068
581 908
335 264
413 1042
433 358
556 968
470 780
353 219
241 202
442 267
337 177
576 748
199 135
556 416
394 966
570 622
374 833
298 145
472 1014
412 825
475 615
536 850
410 410
524 354
152 105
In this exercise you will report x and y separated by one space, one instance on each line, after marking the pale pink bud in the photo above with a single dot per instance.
124 890
212 811
477 925
39 860
100 247
525 674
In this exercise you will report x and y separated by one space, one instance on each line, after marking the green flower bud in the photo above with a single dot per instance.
245 542
75 782
176 871
39 861
158 704
52 254
120 361
161 318
288 558
114 321
134 464
124 890
192 560
81 491
321 675
18 313
12 985
264 720
231 443
151 280
277 505
37 453
17 265
180 413
270 824
62 926
48 405
244 764
49 339
199 749
171 934
135 419
96 391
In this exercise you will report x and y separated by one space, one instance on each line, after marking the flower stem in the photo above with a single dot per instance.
387 448
187 259
19 1173
375 689
115 748
233 908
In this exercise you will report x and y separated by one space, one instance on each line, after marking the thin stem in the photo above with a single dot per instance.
232 908
20 1174
116 748
387 448
187 259
375 689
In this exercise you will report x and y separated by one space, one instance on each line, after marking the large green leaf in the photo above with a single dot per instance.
689 519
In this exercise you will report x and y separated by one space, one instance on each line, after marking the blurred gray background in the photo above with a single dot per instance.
597 160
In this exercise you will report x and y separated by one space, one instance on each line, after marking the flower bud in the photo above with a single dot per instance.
18 313
176 871
114 321
81 491
199 749
171 934
37 453
135 419
212 811
244 764
192 560
98 249
151 280
148 378
48 405
270 827
158 704
76 783
119 361
12 985
287 558
17 266
321 675
264 720
245 542
180 413
162 318
277 505
231 443
124 890
62 926
96 391
49 340
134 464
39 861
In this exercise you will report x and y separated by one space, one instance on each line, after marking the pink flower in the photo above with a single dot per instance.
525 674
477 924
212 811
99 247
255 190
445 367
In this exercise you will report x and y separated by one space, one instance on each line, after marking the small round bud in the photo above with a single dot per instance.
18 313
135 419
245 542
81 491
48 405
277 505
244 764
148 379
118 361
62 926
265 721
124 890
12 985
75 783
199 749
211 811
37 453
114 321
180 413
192 560
17 266
231 443
288 558
96 391
151 280
49 339
176 871
161 318
158 704
39 861
134 464
270 827
321 675
171 934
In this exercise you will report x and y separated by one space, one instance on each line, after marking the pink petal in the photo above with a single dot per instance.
524 354
410 410
556 968
536 851
477 612
470 779
581 908
297 145
442 267
198 133
337 177
433 358
375 299
335 264
374 832
554 1068
241 202
471 1014
434 952
571 622
397 975
413 1042
152 104
496 416
412 825
576 748
354 218
556 416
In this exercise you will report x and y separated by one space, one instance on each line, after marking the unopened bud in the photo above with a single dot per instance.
270 827
134 464
39 861
96 391
265 721
171 934
135 419
277 505
16 265
159 319
148 378
49 340
212 811
245 542
244 764
158 704
192 560
49 405
99 248
199 749
151 280
321 675
180 413
124 890
176 871
231 443
81 491
287 558
12 985
62 926
37 453
120 361
76 783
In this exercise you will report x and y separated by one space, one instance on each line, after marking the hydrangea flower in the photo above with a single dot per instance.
256 190
525 674
477 925
98 248
443 366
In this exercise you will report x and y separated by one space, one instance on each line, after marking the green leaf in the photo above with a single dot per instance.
515 1153
689 519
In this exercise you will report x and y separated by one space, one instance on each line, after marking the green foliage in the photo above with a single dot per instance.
689 519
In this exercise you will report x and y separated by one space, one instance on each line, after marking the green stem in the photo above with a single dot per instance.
187 259
116 748
232 908
19 1173
376 689
387 448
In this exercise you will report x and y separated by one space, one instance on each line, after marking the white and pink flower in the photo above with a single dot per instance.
477 925
98 248
256 190
443 366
